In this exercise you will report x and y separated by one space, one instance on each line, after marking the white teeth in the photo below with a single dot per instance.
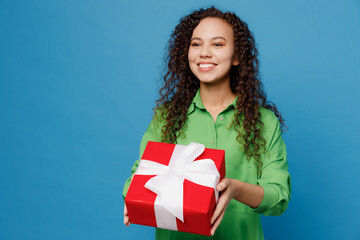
206 65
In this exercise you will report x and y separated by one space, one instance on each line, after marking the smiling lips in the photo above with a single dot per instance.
206 66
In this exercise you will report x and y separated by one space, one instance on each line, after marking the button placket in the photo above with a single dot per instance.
212 131
213 135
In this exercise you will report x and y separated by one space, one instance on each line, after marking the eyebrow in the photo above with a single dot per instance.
197 38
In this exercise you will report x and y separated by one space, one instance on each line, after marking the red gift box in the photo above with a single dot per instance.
199 200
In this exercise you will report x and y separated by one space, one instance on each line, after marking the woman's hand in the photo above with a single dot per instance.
226 187
126 217
247 193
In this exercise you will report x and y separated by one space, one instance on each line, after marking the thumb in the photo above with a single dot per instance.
222 185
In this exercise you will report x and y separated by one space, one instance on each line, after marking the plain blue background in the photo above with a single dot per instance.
78 81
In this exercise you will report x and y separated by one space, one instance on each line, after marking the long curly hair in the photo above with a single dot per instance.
180 84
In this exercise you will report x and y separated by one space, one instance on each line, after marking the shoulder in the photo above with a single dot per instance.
268 117
158 120
159 116
271 130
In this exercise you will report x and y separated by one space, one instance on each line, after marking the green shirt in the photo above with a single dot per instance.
240 221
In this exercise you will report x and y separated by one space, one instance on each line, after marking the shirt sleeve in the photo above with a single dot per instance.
152 133
275 178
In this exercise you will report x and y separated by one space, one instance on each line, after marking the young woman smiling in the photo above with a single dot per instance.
212 95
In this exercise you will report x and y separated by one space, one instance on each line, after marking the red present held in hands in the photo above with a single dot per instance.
174 187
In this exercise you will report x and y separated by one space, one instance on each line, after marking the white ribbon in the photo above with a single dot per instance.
168 184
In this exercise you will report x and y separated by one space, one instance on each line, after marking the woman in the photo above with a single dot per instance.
212 95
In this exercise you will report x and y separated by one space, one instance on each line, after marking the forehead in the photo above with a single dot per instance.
211 27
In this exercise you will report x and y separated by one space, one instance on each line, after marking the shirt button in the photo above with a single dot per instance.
221 118
212 141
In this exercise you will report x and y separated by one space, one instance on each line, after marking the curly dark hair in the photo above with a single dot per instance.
180 84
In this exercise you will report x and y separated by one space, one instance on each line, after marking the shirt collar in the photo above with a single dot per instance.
197 102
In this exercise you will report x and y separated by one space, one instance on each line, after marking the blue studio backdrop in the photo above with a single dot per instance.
79 79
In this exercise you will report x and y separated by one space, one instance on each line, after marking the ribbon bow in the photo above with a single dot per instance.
168 184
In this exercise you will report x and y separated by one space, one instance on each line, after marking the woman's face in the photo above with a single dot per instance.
211 51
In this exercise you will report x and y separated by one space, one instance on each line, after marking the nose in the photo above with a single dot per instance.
205 51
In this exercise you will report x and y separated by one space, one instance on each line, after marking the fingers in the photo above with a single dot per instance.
126 217
222 204
125 210
126 221
220 207
224 199
217 223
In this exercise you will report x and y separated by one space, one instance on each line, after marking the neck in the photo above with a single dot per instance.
217 96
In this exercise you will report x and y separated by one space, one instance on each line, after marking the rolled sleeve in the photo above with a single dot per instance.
275 177
275 181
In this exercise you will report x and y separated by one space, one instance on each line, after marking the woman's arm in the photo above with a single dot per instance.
271 194
152 133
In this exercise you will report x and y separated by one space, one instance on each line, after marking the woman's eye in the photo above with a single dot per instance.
195 44
218 44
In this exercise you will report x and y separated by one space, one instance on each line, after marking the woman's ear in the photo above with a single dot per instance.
235 62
